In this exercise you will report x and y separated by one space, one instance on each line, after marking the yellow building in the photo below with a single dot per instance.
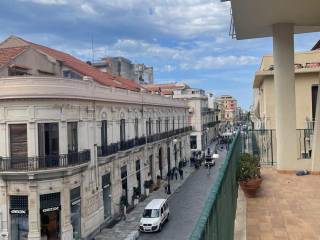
307 68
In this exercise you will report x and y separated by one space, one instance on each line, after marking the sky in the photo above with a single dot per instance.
184 40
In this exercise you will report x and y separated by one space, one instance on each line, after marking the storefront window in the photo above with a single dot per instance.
19 217
75 208
193 142
106 188
50 216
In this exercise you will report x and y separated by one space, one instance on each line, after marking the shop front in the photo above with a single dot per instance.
50 213
19 217
106 186
75 201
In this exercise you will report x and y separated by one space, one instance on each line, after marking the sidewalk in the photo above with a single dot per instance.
127 229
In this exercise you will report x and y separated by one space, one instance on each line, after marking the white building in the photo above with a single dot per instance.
73 140
203 113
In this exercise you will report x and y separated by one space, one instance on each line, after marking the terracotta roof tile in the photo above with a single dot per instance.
88 70
7 54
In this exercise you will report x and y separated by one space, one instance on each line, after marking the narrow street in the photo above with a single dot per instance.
186 204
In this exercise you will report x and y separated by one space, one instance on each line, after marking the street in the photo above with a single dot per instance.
186 204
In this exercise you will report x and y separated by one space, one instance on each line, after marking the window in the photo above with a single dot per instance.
48 139
122 130
18 71
159 125
173 123
71 74
72 137
178 122
104 133
151 213
136 127
149 127
167 124
193 142
314 94
18 140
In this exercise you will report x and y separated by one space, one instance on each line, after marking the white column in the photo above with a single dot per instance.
63 138
34 215
316 140
4 230
66 230
4 140
284 83
32 139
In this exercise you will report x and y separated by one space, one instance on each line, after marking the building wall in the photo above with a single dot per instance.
88 114
303 85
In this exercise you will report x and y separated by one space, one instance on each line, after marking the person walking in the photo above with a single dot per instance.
176 173
181 173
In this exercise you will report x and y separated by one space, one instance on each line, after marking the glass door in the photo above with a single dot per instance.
48 143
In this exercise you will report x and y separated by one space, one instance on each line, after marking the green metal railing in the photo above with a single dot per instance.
216 221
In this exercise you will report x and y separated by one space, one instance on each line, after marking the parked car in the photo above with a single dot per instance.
155 215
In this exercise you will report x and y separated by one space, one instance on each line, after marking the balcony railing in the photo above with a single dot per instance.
28 164
216 221
113 148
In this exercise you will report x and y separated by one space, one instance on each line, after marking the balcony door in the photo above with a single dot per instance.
73 155
122 130
18 145
48 144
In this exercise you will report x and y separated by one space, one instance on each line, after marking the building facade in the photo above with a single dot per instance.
204 114
73 143
228 105
307 66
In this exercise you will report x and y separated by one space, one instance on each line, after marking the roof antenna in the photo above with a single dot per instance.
92 51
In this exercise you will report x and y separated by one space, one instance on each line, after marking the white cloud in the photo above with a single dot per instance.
87 8
47 2
214 62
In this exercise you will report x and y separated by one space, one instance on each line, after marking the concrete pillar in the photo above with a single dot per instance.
34 215
4 139
63 138
32 139
4 231
284 83
316 140
66 227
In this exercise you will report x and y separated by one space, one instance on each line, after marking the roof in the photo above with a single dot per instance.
7 54
155 203
88 70
316 46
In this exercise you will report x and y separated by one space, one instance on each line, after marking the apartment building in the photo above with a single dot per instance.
75 140
307 65
228 106
120 66
203 116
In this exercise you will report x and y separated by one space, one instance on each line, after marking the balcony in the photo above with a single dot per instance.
39 163
113 148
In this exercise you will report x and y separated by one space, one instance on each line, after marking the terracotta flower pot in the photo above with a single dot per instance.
251 186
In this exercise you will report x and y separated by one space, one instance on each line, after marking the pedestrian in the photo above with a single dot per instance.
181 173
172 173
176 173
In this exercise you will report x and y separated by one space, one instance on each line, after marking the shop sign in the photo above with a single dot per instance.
50 209
75 202
18 211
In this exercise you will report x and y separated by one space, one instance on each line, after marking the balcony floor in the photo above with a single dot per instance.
286 207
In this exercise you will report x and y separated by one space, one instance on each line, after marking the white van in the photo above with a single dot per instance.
155 214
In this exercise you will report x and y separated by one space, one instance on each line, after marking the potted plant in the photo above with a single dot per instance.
249 175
